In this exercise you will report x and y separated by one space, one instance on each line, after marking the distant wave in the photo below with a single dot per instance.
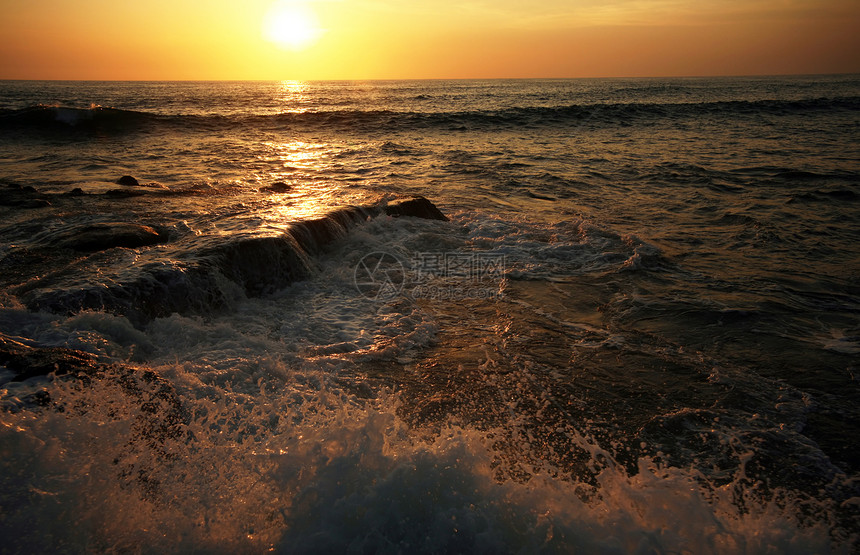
47 117
99 119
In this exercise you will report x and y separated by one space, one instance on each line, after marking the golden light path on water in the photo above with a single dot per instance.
293 95
305 168
301 187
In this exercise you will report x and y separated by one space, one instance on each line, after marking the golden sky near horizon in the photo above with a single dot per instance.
394 39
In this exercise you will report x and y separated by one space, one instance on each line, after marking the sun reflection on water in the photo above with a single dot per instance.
296 160
307 169
312 202
294 96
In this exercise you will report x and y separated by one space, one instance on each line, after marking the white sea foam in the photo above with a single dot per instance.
301 467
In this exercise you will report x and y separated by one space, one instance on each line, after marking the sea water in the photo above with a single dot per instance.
636 331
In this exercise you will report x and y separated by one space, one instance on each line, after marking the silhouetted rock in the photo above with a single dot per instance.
76 192
99 237
279 187
418 207
128 181
22 197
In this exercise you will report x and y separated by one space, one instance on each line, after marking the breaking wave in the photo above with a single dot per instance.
45 118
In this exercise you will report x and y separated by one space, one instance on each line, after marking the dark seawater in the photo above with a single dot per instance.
637 331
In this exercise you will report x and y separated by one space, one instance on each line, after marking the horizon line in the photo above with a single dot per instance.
691 76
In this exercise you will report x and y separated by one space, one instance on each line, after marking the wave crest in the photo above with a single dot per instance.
46 118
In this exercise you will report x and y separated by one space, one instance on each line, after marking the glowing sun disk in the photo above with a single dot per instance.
291 25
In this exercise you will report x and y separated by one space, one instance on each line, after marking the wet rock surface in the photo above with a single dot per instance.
418 207
99 237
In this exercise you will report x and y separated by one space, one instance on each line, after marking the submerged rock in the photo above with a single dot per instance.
28 362
123 193
279 187
539 197
99 237
128 181
34 203
418 207
159 415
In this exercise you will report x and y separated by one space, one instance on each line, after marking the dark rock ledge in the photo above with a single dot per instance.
99 237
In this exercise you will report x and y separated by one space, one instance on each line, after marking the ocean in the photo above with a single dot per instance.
505 316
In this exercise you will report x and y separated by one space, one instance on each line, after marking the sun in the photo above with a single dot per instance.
291 25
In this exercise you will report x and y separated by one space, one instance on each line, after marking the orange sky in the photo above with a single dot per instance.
392 39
